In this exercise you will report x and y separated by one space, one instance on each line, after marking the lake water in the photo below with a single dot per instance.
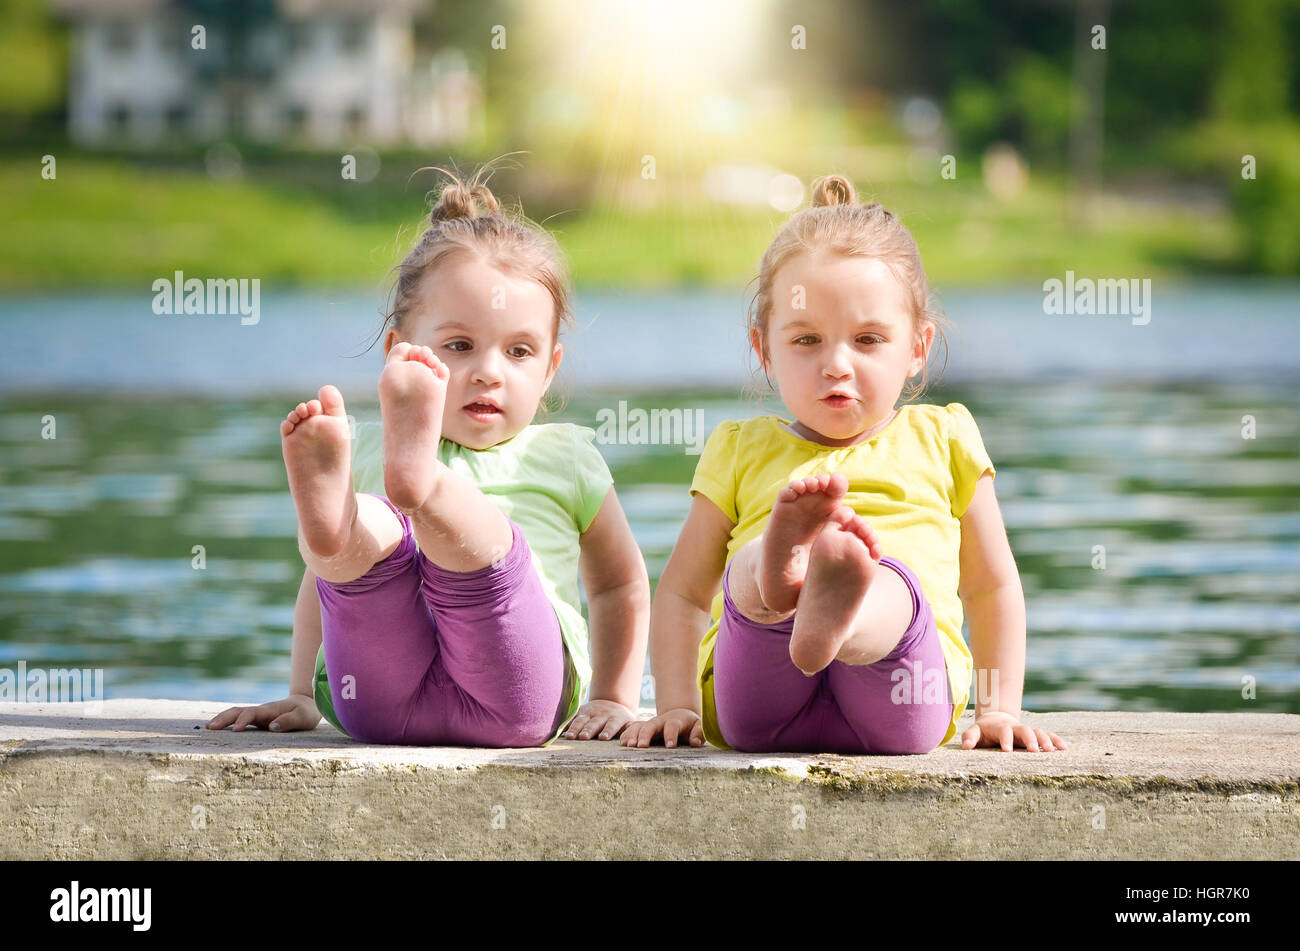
1105 432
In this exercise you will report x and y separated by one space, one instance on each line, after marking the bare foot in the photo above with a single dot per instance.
316 440
802 509
841 567
412 393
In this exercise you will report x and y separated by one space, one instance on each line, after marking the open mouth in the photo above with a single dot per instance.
482 410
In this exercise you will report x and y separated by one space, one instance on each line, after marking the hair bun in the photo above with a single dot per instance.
833 190
459 200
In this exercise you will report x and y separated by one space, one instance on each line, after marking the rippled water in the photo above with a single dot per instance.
1200 526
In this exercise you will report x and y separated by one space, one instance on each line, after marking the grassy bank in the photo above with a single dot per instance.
110 223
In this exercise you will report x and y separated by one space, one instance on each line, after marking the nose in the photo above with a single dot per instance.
838 366
487 368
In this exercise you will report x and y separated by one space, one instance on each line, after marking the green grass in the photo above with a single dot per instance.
109 223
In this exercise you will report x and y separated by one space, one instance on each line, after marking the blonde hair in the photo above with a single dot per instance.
468 219
839 223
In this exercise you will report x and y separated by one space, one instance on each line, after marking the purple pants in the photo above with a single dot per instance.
765 703
444 658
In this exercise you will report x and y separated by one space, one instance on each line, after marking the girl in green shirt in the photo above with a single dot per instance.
443 610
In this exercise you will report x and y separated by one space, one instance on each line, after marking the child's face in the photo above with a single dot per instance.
494 331
840 343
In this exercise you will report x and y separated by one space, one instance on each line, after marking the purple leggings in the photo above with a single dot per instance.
444 658
764 703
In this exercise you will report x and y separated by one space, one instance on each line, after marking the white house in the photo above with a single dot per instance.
320 73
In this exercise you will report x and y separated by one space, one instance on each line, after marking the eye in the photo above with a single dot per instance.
520 351
870 339
806 338
459 346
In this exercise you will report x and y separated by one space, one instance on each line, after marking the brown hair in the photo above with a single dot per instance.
837 222
468 219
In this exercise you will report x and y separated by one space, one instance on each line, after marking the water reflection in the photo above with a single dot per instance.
1199 526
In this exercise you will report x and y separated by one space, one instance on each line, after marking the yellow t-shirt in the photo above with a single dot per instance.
912 481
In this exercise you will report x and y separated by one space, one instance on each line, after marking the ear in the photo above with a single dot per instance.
556 357
756 344
921 348
391 339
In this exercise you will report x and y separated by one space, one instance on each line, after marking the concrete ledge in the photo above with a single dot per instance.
139 781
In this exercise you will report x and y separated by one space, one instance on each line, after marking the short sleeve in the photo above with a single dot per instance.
715 473
368 458
967 457
592 479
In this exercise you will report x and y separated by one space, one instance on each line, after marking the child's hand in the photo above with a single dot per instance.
1002 729
295 712
604 715
671 723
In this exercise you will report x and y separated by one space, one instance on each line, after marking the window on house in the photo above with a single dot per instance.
175 37
177 118
119 36
295 120
119 119
355 121
352 35
299 37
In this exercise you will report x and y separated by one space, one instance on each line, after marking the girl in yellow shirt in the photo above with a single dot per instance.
779 623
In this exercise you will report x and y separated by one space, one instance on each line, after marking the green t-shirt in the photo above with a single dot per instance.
551 480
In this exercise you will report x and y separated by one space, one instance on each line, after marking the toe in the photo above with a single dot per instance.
844 516
331 400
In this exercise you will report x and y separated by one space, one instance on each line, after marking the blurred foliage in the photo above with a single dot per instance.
33 63
1190 86
1251 117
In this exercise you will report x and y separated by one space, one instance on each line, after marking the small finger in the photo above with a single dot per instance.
1044 740
1060 743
